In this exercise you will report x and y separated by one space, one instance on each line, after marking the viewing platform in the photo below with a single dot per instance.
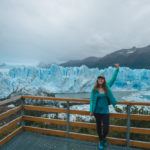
25 126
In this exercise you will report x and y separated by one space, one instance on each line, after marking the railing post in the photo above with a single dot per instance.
22 111
68 119
128 126
68 125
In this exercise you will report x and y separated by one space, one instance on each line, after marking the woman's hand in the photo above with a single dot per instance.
117 65
91 114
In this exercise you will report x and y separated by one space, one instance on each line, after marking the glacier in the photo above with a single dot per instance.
58 79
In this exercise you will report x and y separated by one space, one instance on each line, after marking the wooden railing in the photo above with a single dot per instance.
19 123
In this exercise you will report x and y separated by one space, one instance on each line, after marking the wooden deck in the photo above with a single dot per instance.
15 134
35 141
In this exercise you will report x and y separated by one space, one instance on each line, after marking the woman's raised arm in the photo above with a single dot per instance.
114 76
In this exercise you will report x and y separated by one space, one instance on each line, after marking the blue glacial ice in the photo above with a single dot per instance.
60 79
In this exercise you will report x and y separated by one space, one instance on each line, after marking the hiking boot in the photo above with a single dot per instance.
105 143
100 145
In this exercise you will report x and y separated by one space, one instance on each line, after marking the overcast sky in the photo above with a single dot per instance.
55 31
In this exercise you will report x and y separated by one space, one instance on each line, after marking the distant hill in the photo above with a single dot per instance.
87 61
134 58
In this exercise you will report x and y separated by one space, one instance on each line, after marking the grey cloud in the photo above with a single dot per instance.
60 30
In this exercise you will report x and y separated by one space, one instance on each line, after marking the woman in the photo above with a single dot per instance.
101 97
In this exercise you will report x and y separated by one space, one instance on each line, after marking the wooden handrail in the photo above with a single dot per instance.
140 144
11 100
10 112
81 112
11 124
67 122
11 135
55 99
83 124
44 109
128 129
81 100
44 120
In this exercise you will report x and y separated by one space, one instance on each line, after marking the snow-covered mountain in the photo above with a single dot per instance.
30 80
135 58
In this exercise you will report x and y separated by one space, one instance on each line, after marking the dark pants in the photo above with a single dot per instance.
102 125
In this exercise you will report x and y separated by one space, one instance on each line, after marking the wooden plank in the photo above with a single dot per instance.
115 115
94 138
62 110
133 116
11 100
140 130
118 128
140 144
81 112
133 103
79 136
112 115
85 101
83 137
44 120
116 141
140 117
93 126
124 102
73 124
86 137
10 112
58 122
118 115
132 129
87 113
44 109
9 125
84 124
10 136
45 131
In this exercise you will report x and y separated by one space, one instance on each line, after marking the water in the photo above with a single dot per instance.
120 95
137 96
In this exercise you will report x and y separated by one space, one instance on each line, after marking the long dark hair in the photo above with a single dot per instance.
97 85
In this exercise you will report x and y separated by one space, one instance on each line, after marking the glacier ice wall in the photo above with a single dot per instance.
68 79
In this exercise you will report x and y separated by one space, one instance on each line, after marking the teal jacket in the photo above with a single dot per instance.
94 93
